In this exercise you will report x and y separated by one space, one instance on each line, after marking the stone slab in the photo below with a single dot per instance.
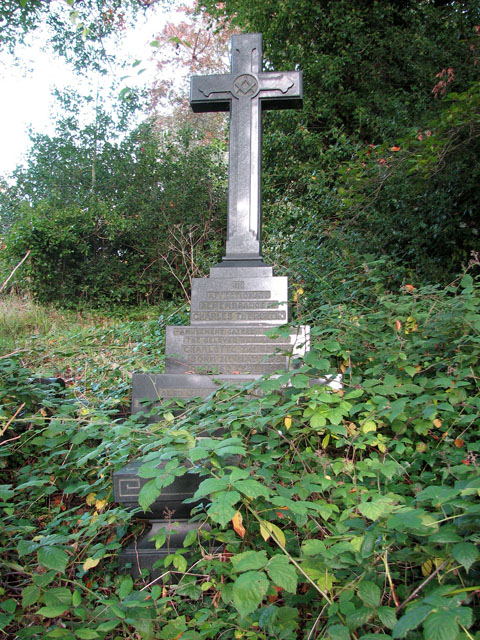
141 557
157 387
239 301
236 269
232 350
127 485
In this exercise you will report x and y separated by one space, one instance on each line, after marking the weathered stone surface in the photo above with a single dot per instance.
142 556
245 92
152 389
243 350
240 301
127 485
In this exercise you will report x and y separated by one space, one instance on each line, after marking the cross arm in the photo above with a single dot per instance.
210 93
281 90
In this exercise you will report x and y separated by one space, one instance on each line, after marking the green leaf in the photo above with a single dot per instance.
375 636
109 625
209 486
467 283
369 593
44 579
441 625
9 605
126 586
173 629
338 632
358 617
249 560
86 634
410 621
30 595
58 596
375 509
26 546
387 616
5 619
6 491
248 591
313 547
252 488
282 573
180 563
221 510
318 420
52 612
466 553
148 494
53 558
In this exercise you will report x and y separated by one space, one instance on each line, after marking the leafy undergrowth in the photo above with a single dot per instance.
333 514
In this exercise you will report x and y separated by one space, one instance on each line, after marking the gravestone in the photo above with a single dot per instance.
233 310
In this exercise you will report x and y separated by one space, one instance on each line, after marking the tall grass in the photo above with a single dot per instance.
21 319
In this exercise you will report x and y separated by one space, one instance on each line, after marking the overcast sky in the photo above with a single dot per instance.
26 90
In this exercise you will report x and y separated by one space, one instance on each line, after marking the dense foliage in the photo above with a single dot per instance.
376 74
350 513
114 220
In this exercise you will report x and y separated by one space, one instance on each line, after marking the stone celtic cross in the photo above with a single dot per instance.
245 92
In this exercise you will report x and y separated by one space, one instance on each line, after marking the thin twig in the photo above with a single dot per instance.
425 582
389 577
11 419
18 265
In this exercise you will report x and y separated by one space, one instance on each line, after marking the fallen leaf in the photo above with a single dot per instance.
237 524
90 563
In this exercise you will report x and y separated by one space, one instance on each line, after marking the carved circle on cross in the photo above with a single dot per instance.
245 86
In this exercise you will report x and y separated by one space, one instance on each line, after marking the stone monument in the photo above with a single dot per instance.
232 310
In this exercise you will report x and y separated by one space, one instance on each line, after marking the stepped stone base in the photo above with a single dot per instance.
141 558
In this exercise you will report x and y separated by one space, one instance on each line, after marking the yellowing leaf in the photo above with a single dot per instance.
91 499
369 425
272 530
264 532
437 422
427 568
237 524
288 422
90 563
100 505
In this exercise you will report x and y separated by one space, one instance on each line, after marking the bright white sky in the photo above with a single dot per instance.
26 92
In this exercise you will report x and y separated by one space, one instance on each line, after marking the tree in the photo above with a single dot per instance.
76 29
109 220
369 70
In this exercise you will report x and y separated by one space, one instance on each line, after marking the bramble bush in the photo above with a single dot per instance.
340 514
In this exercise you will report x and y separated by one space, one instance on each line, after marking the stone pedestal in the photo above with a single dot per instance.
231 340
